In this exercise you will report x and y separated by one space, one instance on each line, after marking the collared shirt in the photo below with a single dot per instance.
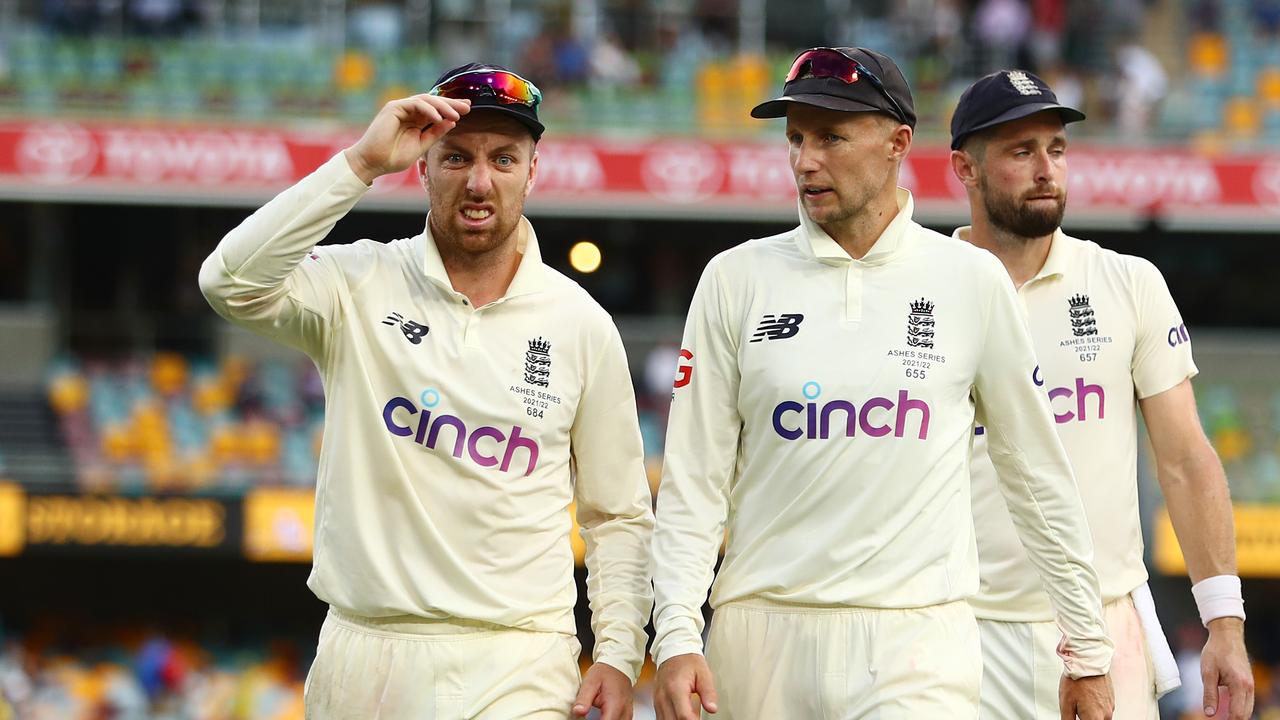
823 413
451 430
1107 334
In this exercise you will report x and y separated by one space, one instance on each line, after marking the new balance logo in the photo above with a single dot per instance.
413 331
778 327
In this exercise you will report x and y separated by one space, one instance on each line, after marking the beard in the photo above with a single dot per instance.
454 238
1016 217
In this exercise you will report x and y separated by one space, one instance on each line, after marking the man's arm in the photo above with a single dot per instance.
257 276
614 509
260 277
1194 485
1195 491
701 453
1036 481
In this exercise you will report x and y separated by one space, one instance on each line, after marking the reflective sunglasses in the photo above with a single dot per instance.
831 63
507 87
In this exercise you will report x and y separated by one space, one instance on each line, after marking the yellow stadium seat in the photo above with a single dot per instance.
118 443
653 472
226 444
713 82
1269 86
234 370
752 74
354 71
1209 143
69 393
1231 443
712 79
168 373
1207 53
1242 117
162 471
151 440
261 442
750 85
85 686
210 397
199 470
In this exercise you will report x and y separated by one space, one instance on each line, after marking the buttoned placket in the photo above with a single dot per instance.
853 291
475 315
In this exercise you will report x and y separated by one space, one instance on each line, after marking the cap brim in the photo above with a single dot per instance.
1069 115
777 107
535 127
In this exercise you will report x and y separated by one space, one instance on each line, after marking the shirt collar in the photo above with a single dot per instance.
1061 252
816 242
529 277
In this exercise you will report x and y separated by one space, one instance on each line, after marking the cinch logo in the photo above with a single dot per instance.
1080 392
1178 335
814 422
430 428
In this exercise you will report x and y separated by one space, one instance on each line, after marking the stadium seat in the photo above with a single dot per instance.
1242 117
1207 53
68 393
1269 86
354 71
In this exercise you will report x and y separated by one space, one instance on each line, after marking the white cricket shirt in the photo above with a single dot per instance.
450 430
1107 333
823 410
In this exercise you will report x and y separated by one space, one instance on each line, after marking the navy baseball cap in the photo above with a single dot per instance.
494 87
847 79
1001 97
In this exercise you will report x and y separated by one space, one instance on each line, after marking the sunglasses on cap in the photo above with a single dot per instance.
506 87
832 63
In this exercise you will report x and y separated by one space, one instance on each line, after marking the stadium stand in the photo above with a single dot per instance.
1227 87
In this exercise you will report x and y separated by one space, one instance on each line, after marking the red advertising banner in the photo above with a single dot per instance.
597 176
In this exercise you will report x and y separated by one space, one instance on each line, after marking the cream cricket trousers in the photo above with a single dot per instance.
781 662
408 668
1021 667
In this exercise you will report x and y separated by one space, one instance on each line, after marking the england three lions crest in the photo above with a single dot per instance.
920 324
1083 322
537 363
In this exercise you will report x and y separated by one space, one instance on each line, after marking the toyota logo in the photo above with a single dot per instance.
57 154
683 172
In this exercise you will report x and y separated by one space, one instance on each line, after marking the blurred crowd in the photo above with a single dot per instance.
1170 69
166 423
133 673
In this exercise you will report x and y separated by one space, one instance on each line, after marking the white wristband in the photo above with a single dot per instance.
1218 596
